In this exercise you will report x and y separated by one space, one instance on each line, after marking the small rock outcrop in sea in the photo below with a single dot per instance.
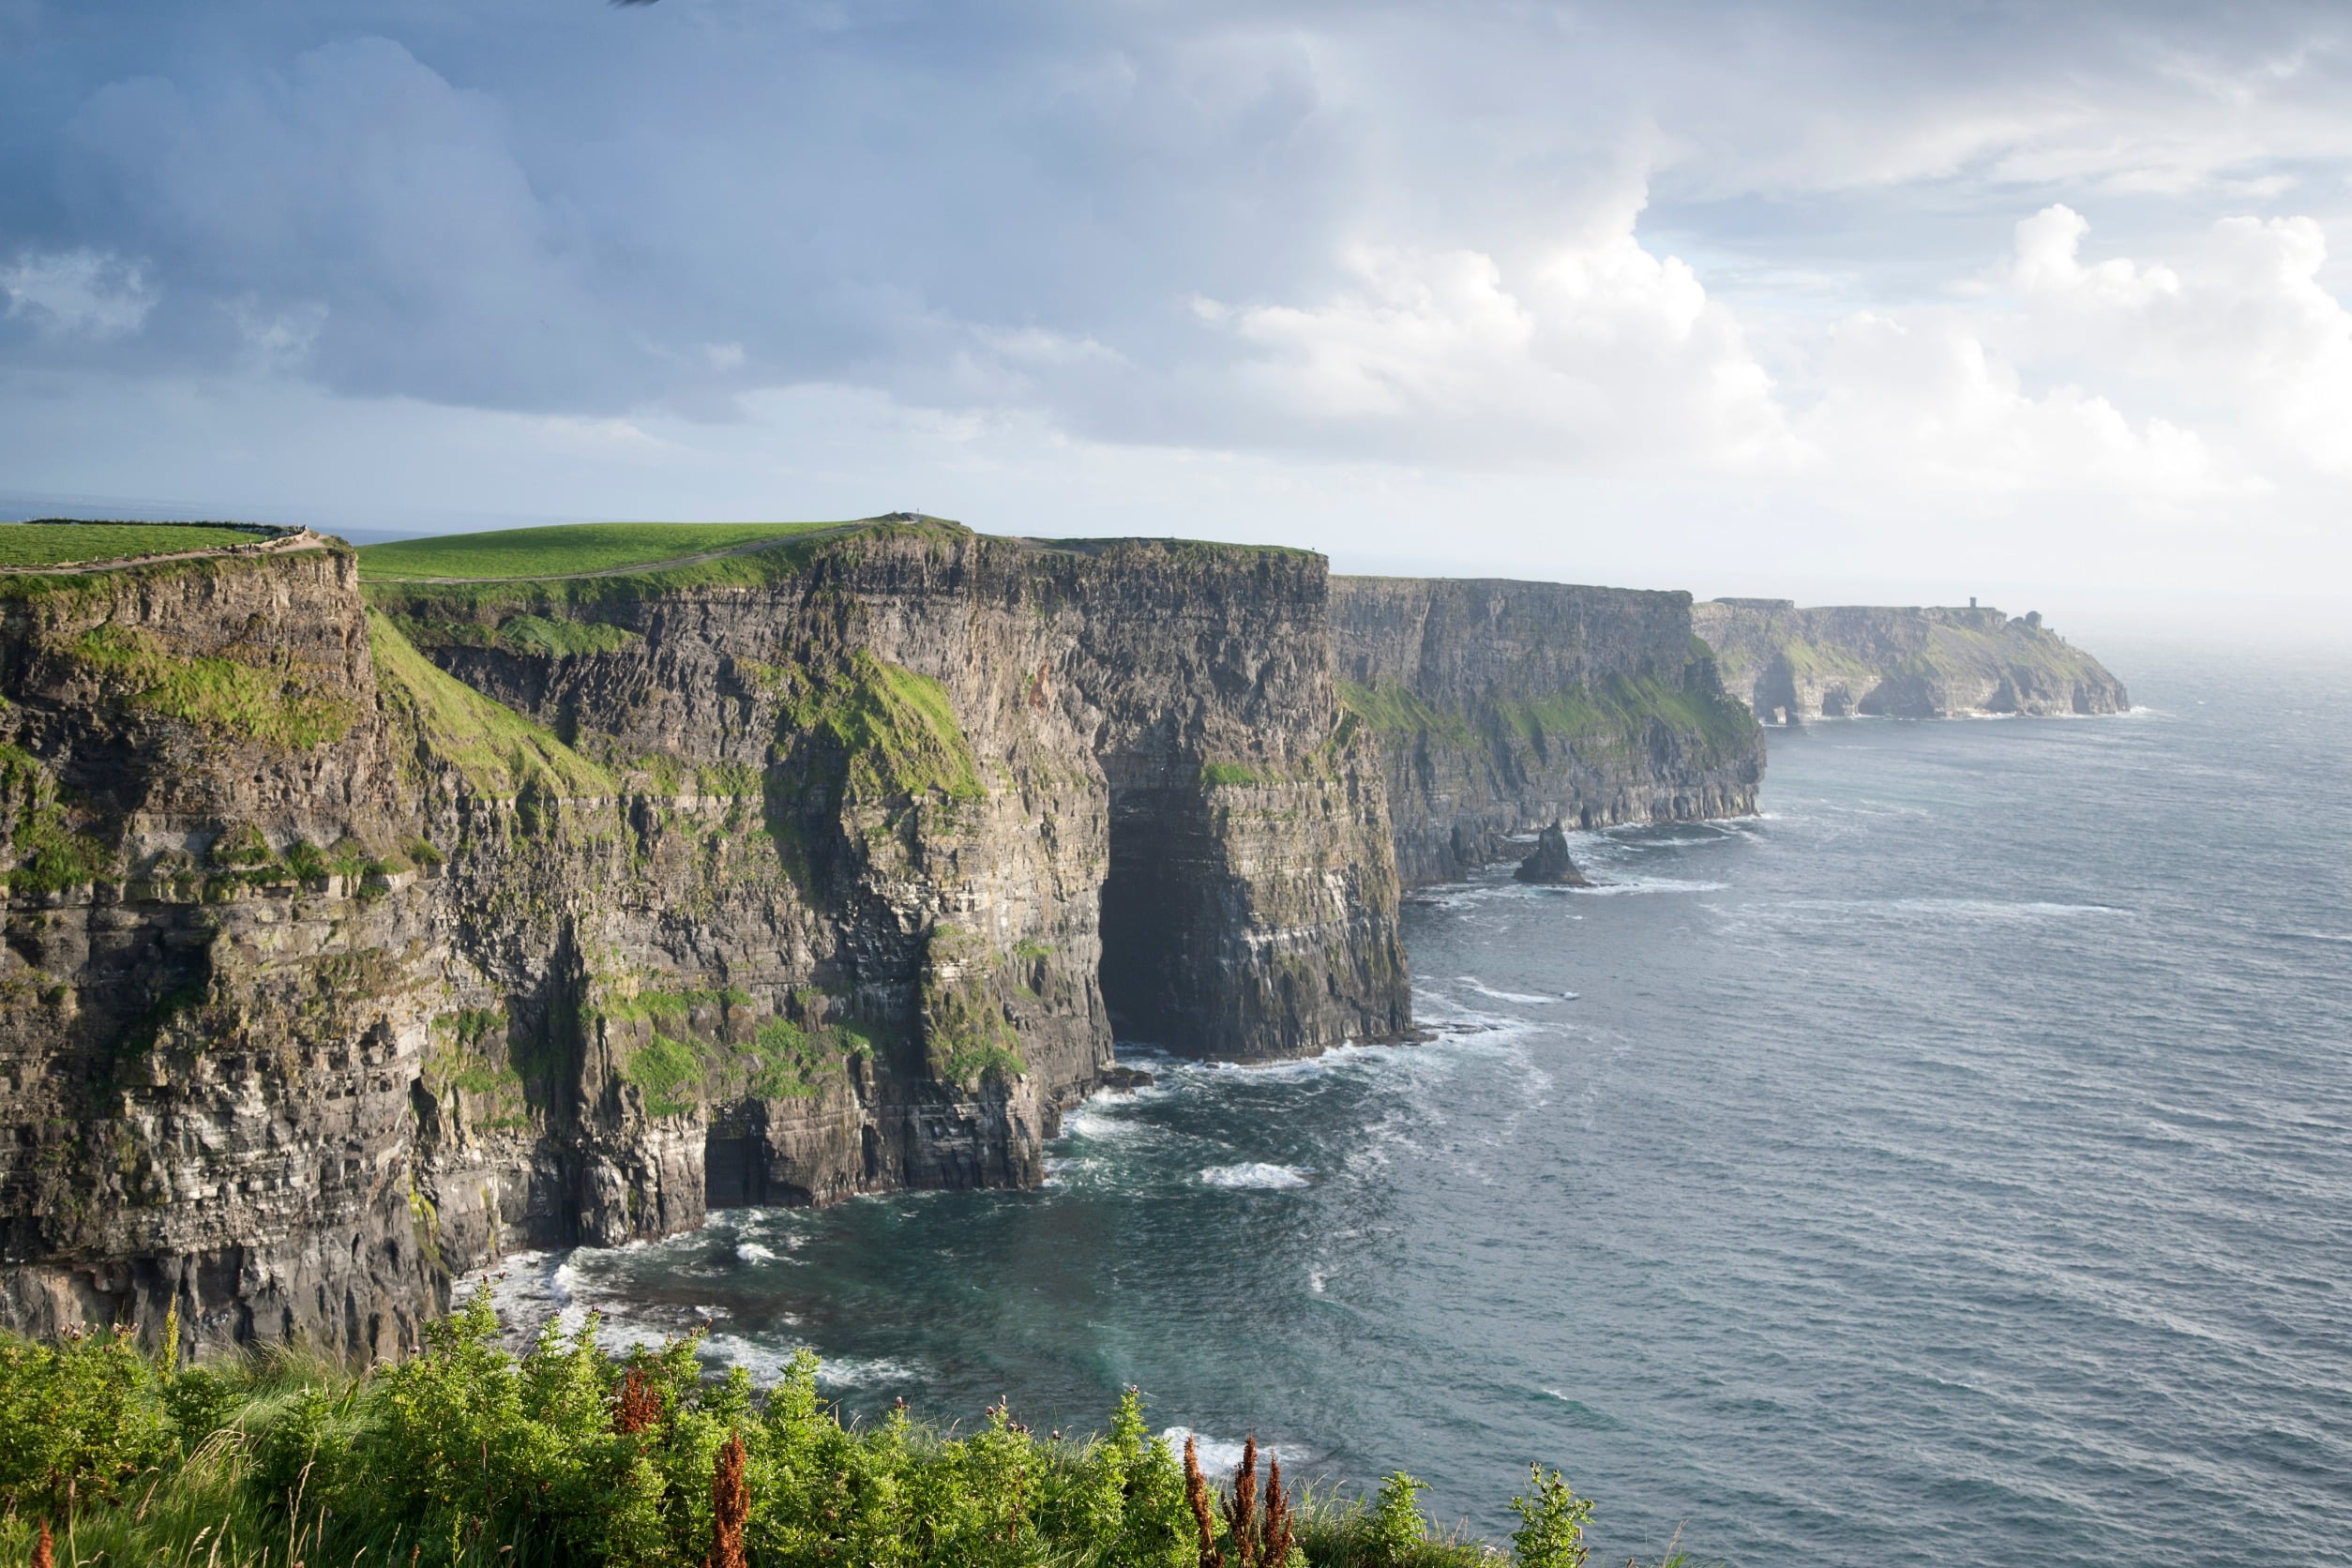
1549 865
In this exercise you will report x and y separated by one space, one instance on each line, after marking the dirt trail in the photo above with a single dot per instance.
285 544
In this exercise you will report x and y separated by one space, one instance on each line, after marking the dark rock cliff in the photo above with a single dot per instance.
1503 707
1790 665
351 947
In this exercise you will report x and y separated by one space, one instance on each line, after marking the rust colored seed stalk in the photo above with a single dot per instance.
639 1405
1241 1513
730 1506
1196 1495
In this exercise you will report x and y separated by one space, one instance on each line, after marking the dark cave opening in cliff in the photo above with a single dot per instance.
1144 900
734 1176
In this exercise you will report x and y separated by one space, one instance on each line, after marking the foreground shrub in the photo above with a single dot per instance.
568 1455
78 1417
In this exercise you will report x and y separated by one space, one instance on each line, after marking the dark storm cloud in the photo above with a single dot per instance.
563 207
560 206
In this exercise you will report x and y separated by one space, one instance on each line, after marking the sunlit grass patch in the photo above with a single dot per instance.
58 544
554 551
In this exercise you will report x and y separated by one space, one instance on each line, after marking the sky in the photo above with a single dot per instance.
1803 299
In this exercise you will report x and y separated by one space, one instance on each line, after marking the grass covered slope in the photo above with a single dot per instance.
59 544
1612 717
466 1454
569 549
498 751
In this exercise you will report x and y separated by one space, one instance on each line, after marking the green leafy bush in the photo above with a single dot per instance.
470 1454
78 1416
1551 1523
1398 1529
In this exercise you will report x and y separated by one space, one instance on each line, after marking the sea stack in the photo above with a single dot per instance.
1549 865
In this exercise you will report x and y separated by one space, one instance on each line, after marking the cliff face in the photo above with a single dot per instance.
1790 665
208 1055
350 946
1503 707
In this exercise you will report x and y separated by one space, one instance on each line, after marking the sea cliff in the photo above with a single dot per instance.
358 934
1504 706
1790 665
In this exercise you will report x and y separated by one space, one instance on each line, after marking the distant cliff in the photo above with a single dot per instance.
1790 665
358 934
1503 706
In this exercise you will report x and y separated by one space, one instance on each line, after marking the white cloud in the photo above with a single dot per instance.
2241 337
1926 405
2048 262
1591 351
80 292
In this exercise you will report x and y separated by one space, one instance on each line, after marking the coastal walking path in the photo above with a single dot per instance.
285 544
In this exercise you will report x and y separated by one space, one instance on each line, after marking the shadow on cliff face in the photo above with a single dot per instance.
1148 897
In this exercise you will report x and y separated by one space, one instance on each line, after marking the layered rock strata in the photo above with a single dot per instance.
1503 706
350 945
1790 665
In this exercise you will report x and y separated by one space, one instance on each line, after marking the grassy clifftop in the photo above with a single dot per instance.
562 573
572 549
59 544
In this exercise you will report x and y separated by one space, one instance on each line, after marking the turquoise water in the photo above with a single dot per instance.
1950 1167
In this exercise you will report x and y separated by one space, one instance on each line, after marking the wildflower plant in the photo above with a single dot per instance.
469 1454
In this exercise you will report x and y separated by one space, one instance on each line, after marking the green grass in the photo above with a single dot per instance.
895 728
1398 710
58 544
669 1071
50 856
783 1061
469 1454
1622 708
787 1062
497 750
1218 776
1617 713
249 698
434 610
966 1035
586 547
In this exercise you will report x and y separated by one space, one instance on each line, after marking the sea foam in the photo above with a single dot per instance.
1255 1174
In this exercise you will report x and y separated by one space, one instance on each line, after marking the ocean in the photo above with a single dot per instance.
1949 1165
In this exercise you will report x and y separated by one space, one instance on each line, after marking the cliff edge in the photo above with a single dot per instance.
1504 706
360 932
1790 665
